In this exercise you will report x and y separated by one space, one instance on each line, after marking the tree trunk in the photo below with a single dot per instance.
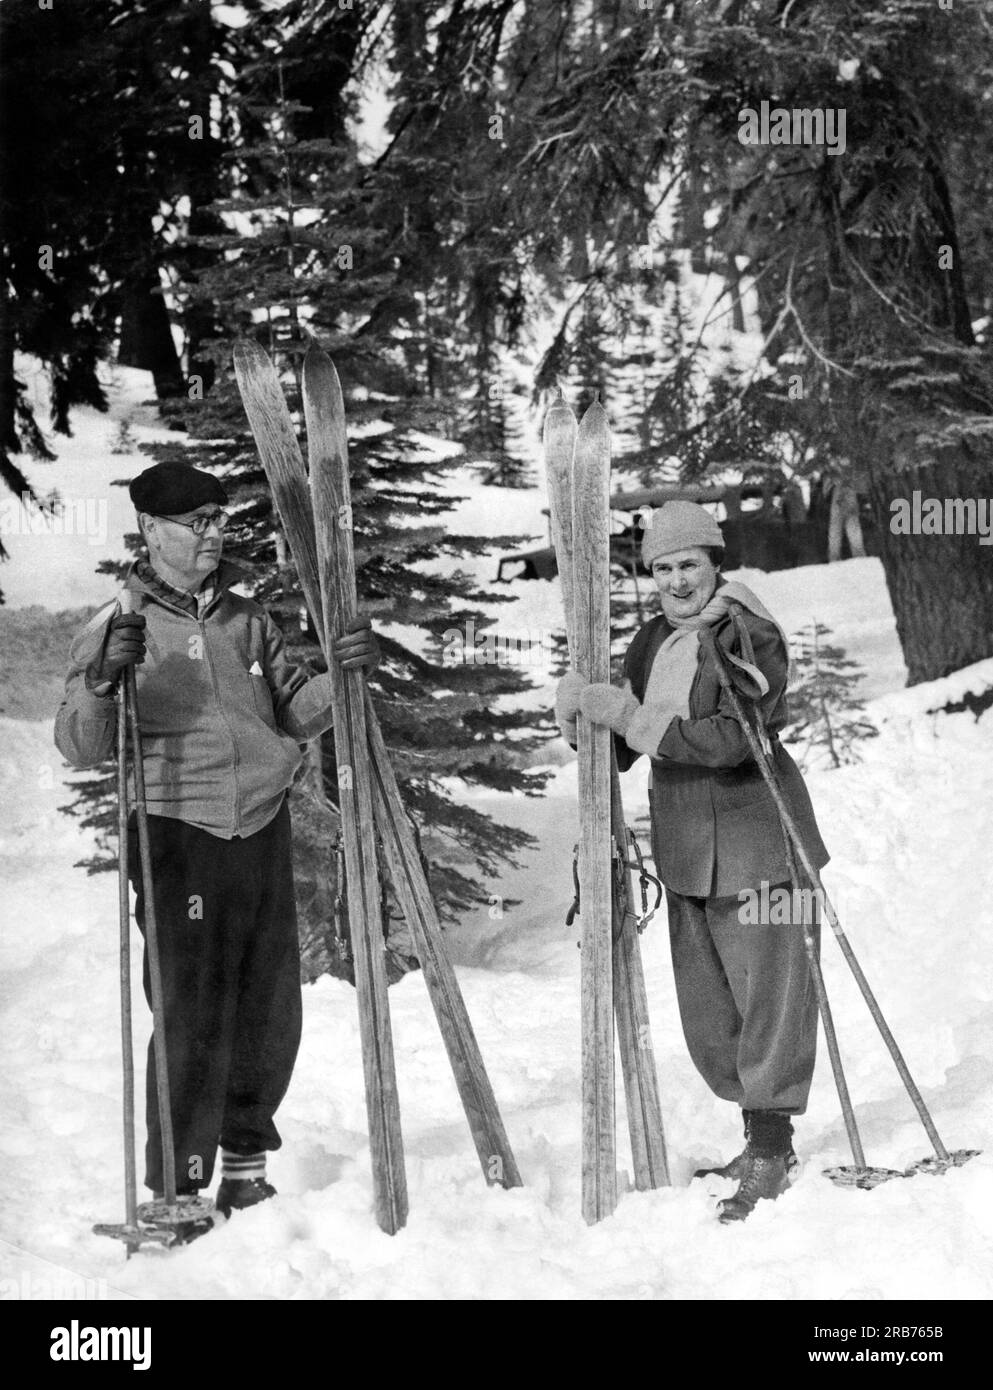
146 334
8 389
200 320
941 586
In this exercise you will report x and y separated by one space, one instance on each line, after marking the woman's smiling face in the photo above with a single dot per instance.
686 581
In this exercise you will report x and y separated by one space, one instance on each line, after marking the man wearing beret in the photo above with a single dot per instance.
223 717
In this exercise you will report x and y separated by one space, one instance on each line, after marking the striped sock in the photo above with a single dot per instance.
242 1167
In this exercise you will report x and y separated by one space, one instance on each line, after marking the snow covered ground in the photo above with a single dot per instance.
909 832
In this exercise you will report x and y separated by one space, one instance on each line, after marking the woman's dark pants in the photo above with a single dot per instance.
746 1001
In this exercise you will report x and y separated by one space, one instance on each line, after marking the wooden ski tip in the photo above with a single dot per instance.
248 353
315 356
594 430
560 422
319 370
594 411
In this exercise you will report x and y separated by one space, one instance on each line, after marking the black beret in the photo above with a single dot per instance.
168 489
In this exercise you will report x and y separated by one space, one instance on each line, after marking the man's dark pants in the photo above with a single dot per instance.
230 962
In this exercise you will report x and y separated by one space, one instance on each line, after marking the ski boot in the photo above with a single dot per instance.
766 1178
737 1167
236 1194
767 1165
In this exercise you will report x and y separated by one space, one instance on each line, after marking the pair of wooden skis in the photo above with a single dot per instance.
577 460
317 519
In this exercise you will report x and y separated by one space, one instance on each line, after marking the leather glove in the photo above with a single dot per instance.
123 646
642 726
567 694
358 648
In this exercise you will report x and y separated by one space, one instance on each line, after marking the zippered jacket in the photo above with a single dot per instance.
223 711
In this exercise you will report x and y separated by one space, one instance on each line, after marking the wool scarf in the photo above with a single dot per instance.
675 664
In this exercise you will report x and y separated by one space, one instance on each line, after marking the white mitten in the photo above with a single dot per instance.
567 694
642 726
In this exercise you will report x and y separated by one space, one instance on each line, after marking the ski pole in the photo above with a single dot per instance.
814 877
124 904
827 1018
151 936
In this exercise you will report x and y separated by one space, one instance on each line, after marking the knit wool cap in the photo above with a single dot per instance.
677 526
168 489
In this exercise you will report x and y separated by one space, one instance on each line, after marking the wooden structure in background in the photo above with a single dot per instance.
779 534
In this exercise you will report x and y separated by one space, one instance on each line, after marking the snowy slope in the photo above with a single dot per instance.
902 827
53 561
909 830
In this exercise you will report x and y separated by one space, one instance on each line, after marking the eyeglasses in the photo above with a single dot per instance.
201 524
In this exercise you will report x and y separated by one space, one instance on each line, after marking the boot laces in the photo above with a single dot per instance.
762 1176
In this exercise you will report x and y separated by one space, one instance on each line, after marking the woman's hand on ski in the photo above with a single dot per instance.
608 705
358 648
642 726
567 694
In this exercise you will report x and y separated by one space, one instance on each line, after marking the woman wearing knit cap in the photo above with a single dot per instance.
746 999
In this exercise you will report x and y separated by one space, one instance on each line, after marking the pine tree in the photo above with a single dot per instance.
865 264
824 708
299 255
97 162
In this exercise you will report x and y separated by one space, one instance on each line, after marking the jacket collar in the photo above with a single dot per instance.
225 576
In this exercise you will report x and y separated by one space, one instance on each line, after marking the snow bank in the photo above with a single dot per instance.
911 876
906 829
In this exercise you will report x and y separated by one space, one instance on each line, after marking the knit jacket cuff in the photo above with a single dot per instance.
92 705
648 727
309 712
